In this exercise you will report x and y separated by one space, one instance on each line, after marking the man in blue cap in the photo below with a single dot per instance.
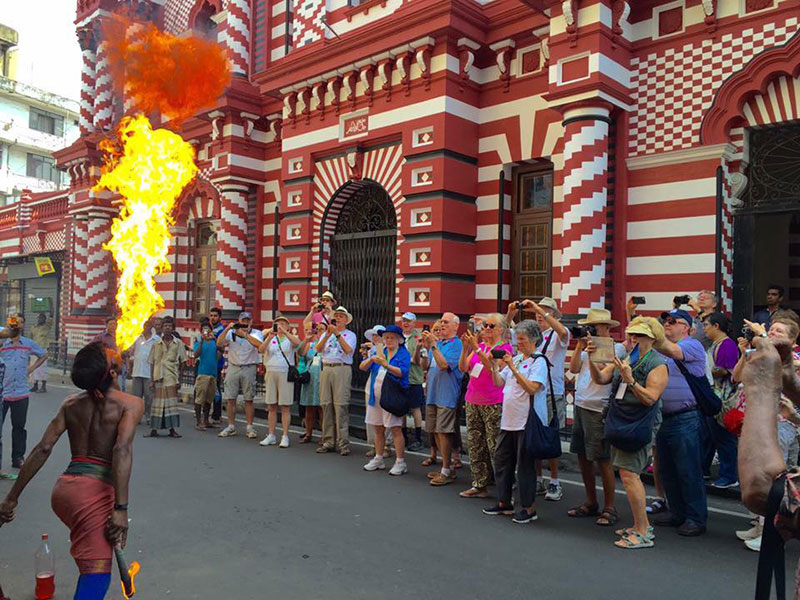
678 439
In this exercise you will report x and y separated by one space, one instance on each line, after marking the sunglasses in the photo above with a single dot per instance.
490 325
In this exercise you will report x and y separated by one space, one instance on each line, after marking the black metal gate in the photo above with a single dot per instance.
362 264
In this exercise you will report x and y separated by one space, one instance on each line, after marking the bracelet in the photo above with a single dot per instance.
121 506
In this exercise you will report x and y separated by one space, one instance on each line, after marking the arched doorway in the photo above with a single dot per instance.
363 256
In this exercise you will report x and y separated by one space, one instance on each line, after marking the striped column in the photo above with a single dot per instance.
80 260
98 268
86 39
583 233
232 247
236 36
103 91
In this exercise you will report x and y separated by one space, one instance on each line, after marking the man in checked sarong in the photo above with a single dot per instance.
166 357
91 497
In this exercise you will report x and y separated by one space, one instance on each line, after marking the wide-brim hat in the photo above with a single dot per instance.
342 310
282 318
376 330
328 296
548 302
640 327
599 316
397 331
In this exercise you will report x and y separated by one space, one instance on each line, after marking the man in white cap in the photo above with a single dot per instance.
242 342
416 378
338 346
588 437
555 341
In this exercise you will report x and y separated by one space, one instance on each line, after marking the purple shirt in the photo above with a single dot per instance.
678 395
727 354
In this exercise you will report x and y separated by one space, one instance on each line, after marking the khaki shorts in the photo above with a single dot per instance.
205 386
439 419
278 388
588 435
240 378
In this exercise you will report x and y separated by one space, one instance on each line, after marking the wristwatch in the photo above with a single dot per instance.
121 506
546 315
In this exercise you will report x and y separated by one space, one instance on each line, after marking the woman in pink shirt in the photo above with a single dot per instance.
484 400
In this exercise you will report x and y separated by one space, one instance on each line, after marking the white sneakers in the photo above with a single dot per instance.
270 440
229 431
375 464
399 468
284 442
750 534
754 544
251 432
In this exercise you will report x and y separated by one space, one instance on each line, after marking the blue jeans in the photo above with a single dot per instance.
716 437
680 466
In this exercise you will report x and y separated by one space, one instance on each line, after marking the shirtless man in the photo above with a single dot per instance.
91 497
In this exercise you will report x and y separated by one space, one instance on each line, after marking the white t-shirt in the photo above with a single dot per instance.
141 352
591 395
557 354
240 351
273 359
333 353
516 401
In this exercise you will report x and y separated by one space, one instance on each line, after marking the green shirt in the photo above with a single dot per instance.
416 375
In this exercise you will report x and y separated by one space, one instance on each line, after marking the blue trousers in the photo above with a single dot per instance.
717 438
680 466
92 586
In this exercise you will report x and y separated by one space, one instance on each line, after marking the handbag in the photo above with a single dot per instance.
629 431
542 441
394 397
707 401
293 375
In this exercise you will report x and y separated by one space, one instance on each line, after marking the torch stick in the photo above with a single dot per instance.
126 573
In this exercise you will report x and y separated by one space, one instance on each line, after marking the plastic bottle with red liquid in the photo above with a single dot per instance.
45 562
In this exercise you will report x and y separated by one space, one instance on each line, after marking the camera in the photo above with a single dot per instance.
426 327
498 353
748 334
319 307
579 331
680 300
275 327
333 322
239 326
637 300
519 305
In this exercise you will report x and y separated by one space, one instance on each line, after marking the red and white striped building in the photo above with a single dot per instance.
432 155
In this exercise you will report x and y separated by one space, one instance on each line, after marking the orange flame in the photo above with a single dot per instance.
149 169
132 572
174 76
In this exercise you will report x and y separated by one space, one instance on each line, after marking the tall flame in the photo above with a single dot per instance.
149 169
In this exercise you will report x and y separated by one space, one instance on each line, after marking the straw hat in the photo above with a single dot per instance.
282 318
343 311
328 296
642 327
599 316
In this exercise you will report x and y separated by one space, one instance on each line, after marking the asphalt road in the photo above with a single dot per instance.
227 519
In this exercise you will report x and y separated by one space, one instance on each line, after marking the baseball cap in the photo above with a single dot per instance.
678 313
409 316
245 315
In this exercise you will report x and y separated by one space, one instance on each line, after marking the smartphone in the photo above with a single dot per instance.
426 327
275 327
498 353
638 300
471 327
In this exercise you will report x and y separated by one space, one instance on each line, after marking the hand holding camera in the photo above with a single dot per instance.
679 301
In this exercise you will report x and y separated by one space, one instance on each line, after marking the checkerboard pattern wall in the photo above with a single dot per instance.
672 89
176 15
308 27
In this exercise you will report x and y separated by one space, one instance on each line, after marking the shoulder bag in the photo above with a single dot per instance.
543 441
294 375
629 431
394 397
707 401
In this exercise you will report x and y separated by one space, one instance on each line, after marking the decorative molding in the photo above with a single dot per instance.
679 157
504 53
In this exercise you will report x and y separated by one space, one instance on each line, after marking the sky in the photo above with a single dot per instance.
48 53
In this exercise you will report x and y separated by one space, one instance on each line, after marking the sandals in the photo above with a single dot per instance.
305 439
584 510
608 517
651 533
201 427
457 464
429 462
474 492
633 541
153 433
174 434
658 505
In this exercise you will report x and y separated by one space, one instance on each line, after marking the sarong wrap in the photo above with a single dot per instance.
84 504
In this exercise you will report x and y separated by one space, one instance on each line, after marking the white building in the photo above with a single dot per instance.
34 123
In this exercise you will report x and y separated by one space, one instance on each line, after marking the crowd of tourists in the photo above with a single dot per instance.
636 406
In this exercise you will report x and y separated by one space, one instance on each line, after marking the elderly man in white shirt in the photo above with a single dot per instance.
140 371
338 346
243 358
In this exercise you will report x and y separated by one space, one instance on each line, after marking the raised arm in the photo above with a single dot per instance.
121 462
222 338
576 361
760 457
33 463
